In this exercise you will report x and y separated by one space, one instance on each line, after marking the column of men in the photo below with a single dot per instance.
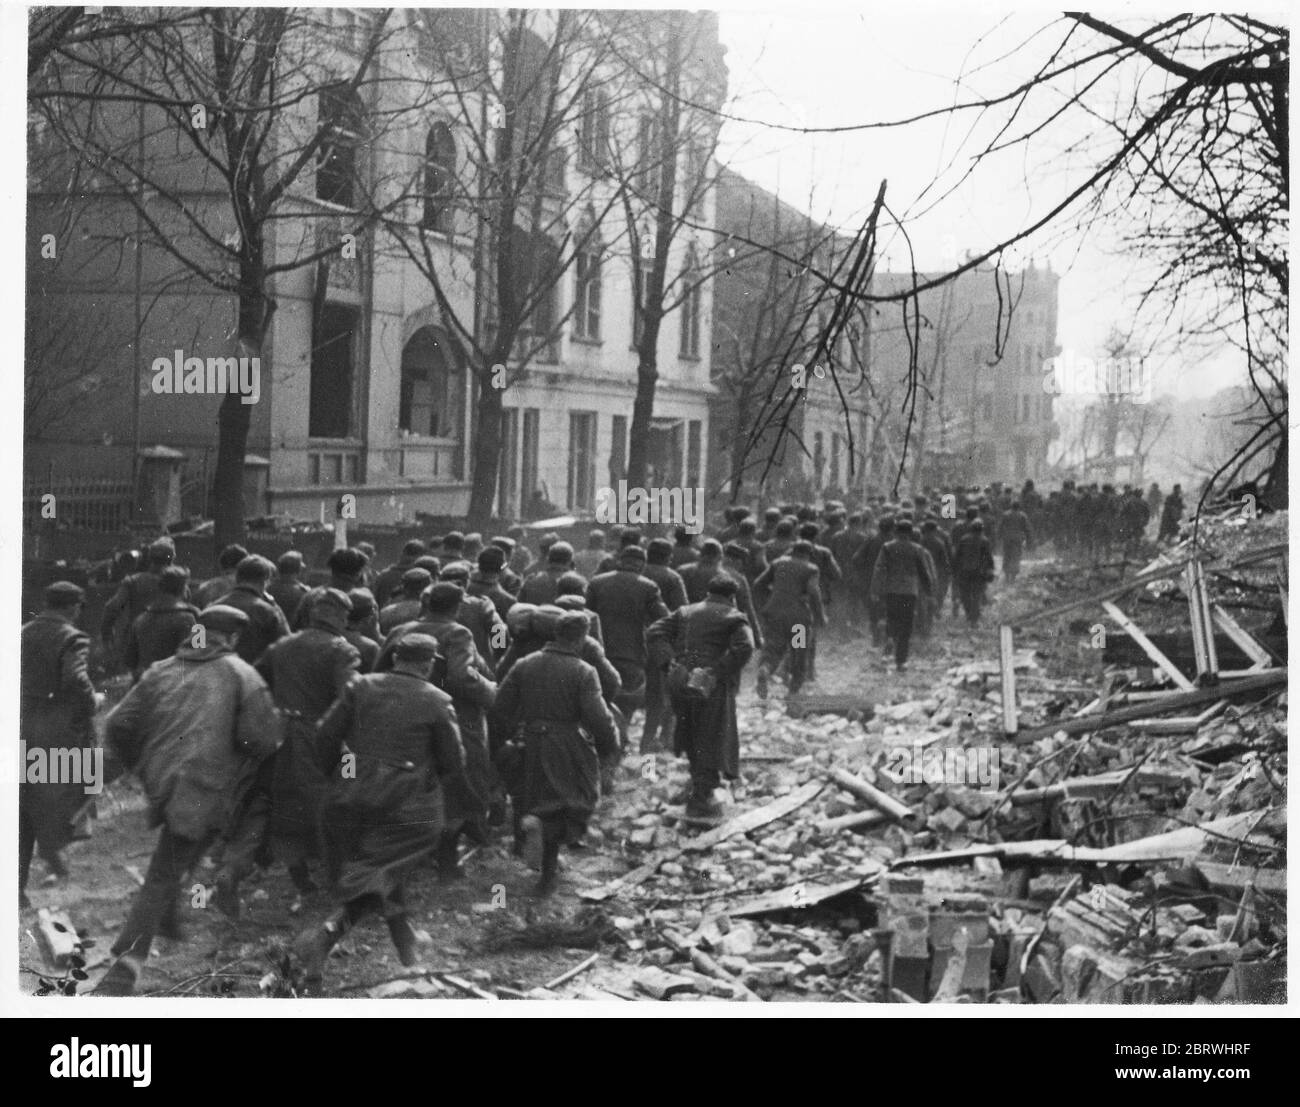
355 730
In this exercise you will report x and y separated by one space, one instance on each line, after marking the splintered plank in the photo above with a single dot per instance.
829 704
1173 701
795 897
1148 647
741 824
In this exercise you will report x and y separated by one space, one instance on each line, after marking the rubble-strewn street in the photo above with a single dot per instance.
887 842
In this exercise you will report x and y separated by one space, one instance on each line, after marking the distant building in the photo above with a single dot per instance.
768 318
984 413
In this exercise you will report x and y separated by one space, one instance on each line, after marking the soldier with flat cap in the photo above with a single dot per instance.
354 631
306 671
165 624
57 713
705 647
134 594
627 603
465 676
347 571
194 730
266 622
550 703
406 603
392 746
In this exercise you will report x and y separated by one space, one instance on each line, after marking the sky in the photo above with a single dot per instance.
826 66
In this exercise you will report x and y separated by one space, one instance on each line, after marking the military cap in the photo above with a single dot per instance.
442 596
326 599
63 593
505 544
491 559
456 571
572 624
363 602
977 524
735 549
416 580
429 563
723 585
347 563
222 617
631 553
162 549
571 602
415 647
559 552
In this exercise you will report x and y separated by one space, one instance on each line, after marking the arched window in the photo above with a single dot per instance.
587 264
439 178
433 386
342 122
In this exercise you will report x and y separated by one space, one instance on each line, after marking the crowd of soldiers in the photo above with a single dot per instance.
358 729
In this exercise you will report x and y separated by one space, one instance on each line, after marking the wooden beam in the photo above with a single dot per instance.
869 793
1174 701
1148 647
1245 642
1007 656
1112 593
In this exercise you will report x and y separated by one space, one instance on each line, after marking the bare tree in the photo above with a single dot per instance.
234 94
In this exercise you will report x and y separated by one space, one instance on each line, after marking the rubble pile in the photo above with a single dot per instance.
920 854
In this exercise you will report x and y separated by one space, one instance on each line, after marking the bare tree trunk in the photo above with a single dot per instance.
487 454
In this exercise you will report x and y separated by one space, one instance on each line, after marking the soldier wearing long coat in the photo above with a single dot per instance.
714 636
791 610
464 675
306 672
57 713
392 745
550 703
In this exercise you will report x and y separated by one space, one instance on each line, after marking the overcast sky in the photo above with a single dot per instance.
821 66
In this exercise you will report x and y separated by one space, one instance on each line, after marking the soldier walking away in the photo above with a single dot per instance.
972 569
305 671
465 676
627 603
57 714
210 591
1171 515
902 579
705 647
550 703
1017 537
390 579
392 744
287 589
134 595
790 598
165 624
266 622
194 730
864 564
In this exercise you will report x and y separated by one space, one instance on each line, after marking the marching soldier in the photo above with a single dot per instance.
466 677
194 729
58 710
709 643
550 702
392 744
793 606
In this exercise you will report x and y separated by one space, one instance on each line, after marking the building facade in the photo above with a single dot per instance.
367 384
